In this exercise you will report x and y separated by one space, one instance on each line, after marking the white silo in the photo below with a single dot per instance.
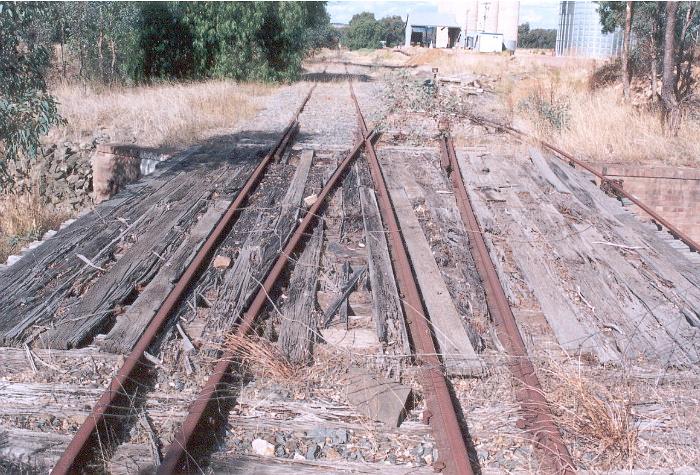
488 16
508 18
470 19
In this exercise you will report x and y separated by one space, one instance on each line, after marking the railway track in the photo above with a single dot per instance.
190 443
206 423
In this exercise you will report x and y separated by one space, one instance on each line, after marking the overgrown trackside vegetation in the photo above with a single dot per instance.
130 42
127 43
152 73
27 111
666 42
365 31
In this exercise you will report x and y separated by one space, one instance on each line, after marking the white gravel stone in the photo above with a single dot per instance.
263 447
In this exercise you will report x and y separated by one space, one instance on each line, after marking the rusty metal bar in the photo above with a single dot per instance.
537 414
176 458
441 412
693 245
78 454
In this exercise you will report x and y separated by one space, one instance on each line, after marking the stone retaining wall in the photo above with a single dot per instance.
62 173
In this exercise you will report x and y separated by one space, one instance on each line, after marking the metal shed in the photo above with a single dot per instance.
432 29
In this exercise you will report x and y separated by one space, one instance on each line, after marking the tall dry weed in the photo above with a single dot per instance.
158 115
598 422
599 125
24 218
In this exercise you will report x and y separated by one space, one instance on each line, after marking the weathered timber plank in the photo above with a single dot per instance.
456 349
226 463
34 287
258 252
167 222
299 327
546 172
653 294
422 181
52 276
130 325
386 305
376 398
537 267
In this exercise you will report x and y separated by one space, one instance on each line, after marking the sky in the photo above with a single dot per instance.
540 14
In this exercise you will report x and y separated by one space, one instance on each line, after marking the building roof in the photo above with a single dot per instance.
432 19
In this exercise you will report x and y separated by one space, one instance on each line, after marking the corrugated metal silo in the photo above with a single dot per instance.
578 32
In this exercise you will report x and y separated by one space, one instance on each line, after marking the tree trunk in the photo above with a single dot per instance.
100 54
654 55
670 109
113 50
626 71
63 42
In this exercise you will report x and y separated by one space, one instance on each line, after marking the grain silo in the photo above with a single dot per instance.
490 16
579 32
508 17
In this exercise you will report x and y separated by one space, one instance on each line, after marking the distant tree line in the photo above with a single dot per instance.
132 42
666 42
365 31
536 38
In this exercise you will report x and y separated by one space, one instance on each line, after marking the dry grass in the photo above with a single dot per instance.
598 421
599 126
263 359
160 115
24 218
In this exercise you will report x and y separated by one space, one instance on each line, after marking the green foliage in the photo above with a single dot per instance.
105 38
393 28
648 26
550 111
166 42
612 15
251 40
366 32
322 35
363 31
536 38
27 111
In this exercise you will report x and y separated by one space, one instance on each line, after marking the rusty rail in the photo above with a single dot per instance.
537 414
615 187
441 412
177 457
95 430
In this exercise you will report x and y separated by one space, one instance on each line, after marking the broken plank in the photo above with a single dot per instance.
348 287
386 305
259 251
131 325
166 224
376 398
299 328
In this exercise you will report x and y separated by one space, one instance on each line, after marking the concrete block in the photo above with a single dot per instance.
113 167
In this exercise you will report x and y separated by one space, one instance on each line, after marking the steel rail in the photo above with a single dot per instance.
616 187
441 412
177 457
80 450
537 413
